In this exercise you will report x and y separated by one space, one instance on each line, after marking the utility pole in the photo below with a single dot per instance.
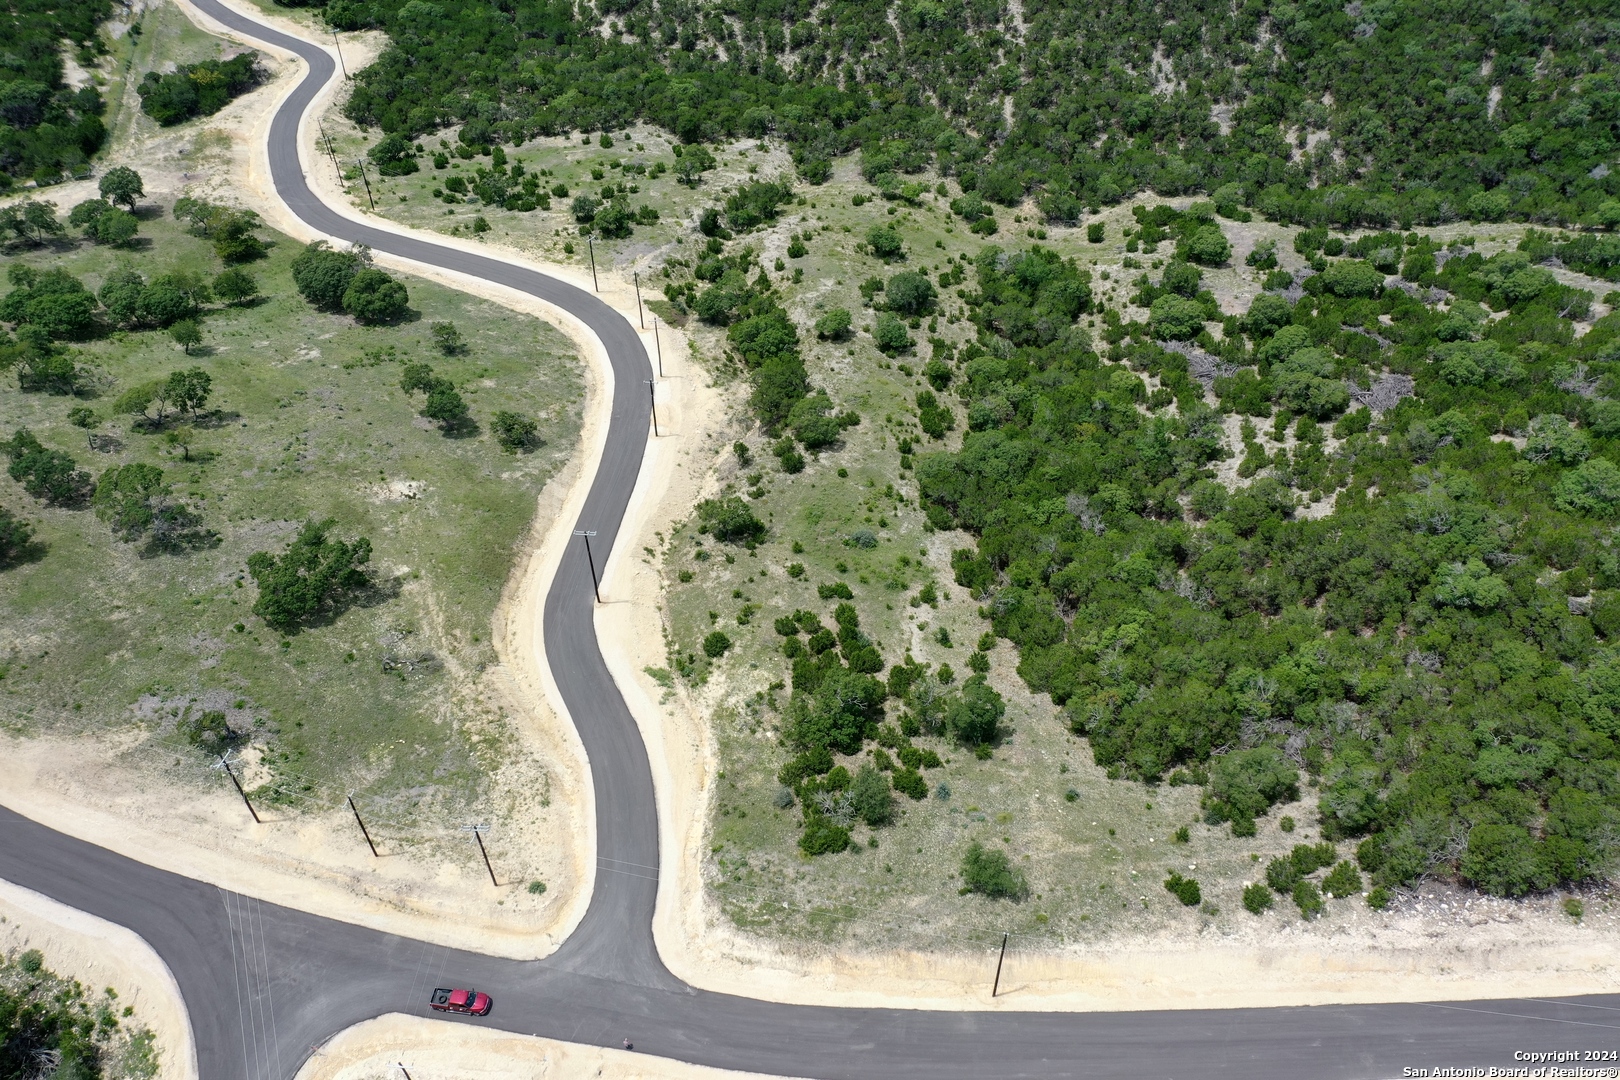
339 49
660 346
478 834
591 243
654 400
225 763
401 1065
640 317
361 163
999 960
331 153
363 830
589 558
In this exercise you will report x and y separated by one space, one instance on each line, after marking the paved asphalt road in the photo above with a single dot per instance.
266 984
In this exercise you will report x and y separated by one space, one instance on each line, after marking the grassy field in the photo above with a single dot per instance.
1096 851
306 421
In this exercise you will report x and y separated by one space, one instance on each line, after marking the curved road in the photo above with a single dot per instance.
265 985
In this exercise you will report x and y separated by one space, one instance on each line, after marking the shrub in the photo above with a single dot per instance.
834 324
16 536
909 782
1094 232
885 242
322 276
716 645
910 293
1257 899
1378 899
1503 860
1343 881
1352 278
890 334
514 431
870 796
536 888
315 575
972 717
1175 318
374 297
730 520
236 286
1282 875
991 873
1208 246
207 731
199 89
1183 889
48 475
1309 858
823 837
1247 783
1308 898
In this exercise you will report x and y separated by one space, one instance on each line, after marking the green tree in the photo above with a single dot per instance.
972 717
871 797
186 333
445 406
990 873
313 577
446 338
716 644
1593 488
514 431
1248 783
16 538
235 286
885 242
121 185
374 297
1503 860
31 221
1352 278
910 293
729 519
322 276
188 390
127 498
834 324
890 334
1469 584
1176 318
48 475
1209 246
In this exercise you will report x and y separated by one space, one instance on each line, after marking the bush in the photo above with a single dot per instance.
1094 232
236 286
1378 899
48 475
199 89
1308 898
1343 881
870 796
1504 860
1247 783
991 873
372 296
972 717
834 324
823 837
16 536
1183 889
207 731
322 276
909 782
1282 875
885 242
1208 246
314 576
514 431
730 520
1352 278
890 334
910 293
1257 899
716 645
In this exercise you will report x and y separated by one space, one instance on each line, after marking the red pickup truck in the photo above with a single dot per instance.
460 1001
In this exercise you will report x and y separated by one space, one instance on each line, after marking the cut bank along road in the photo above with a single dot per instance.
265 984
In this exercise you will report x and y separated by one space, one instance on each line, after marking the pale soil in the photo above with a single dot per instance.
436 1050
100 955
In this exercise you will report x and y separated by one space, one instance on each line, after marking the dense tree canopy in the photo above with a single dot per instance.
1437 649
1358 114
